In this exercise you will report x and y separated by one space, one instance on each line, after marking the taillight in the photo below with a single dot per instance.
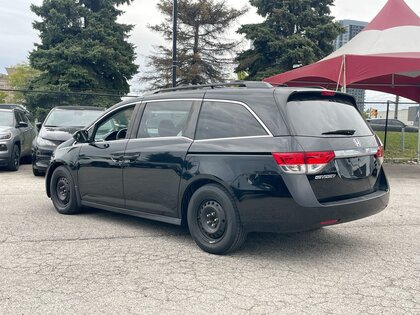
330 222
303 162
327 93
380 154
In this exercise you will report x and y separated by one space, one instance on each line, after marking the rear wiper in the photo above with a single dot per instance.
346 132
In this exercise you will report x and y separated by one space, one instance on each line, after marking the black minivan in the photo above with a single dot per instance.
226 159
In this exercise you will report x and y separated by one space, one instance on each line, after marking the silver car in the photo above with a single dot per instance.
16 135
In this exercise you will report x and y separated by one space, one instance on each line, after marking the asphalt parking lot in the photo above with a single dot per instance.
99 262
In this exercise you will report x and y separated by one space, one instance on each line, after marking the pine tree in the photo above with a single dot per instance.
294 33
203 53
82 49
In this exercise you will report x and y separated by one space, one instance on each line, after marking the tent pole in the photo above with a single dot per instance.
418 139
344 76
339 75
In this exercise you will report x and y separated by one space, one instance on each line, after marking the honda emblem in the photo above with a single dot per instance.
357 143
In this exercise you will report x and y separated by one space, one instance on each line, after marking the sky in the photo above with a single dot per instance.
17 37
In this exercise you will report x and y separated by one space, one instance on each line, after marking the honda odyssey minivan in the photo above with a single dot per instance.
226 159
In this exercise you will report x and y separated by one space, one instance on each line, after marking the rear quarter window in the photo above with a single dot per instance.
227 120
315 117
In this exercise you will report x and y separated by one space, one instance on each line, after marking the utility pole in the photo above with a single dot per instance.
174 39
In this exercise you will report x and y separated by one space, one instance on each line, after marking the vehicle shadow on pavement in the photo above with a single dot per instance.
23 161
312 245
135 222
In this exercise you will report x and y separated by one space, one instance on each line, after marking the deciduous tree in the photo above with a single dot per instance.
3 97
20 78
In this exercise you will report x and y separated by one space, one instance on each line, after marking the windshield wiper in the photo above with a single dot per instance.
345 132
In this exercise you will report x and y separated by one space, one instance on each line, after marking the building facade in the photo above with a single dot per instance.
352 28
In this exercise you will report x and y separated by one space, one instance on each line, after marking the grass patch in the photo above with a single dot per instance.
394 145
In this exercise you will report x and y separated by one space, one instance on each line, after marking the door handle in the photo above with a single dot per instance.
117 158
100 145
132 157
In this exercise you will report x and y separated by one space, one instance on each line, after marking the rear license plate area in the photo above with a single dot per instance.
355 167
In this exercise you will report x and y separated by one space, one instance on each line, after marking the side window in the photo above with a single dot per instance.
165 119
114 127
226 120
26 119
18 118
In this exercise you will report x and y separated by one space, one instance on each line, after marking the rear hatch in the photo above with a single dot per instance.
342 158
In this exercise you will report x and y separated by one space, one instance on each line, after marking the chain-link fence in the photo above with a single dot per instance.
396 124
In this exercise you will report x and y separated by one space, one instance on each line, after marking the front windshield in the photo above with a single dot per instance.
6 118
71 117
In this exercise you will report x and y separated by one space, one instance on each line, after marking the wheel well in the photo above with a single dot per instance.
48 176
18 144
192 188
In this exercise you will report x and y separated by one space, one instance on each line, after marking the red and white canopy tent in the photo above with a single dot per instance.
384 57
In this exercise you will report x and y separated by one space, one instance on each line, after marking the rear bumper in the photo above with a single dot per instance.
285 215
301 210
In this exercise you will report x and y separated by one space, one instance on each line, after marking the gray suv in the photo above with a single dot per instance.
16 135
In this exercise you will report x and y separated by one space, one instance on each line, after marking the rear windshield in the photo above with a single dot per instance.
6 118
71 117
325 118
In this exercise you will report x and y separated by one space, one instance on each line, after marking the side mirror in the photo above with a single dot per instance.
81 136
22 124
38 125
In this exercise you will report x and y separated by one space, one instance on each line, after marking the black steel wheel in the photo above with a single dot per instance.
213 220
63 193
14 162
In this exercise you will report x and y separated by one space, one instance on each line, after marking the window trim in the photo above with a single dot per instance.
162 138
144 102
233 138
268 135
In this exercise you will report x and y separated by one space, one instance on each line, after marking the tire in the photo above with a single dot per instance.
63 193
14 162
213 220
37 172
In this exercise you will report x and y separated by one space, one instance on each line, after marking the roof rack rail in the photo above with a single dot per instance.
247 84
316 87
14 106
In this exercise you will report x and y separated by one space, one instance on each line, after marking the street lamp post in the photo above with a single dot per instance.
174 39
